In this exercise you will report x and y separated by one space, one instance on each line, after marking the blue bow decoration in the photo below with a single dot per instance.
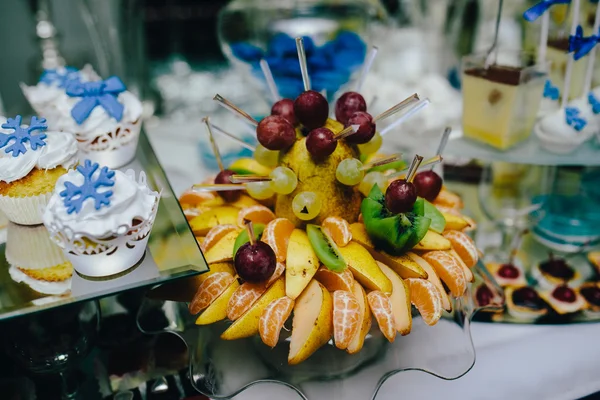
60 77
593 101
93 94
550 92
581 45
540 8
574 120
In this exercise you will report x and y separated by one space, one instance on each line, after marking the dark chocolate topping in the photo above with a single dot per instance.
561 43
528 297
498 73
591 294
558 268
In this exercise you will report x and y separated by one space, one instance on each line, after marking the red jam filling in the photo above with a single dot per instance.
508 271
527 297
558 268
564 294
484 295
591 294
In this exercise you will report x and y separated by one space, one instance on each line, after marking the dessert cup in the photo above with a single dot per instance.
101 237
500 103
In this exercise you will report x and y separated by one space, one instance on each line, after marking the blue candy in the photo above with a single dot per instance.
246 51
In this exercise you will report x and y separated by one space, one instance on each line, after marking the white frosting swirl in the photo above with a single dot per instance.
60 150
130 200
99 121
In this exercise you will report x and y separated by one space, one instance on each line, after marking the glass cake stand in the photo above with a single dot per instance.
222 369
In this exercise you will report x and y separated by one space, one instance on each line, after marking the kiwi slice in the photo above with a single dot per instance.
243 237
419 207
418 228
325 248
438 222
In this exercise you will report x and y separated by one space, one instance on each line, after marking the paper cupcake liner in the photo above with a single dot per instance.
113 149
32 248
25 210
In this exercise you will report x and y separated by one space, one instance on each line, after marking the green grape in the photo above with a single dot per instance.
306 205
349 172
370 179
284 180
260 190
372 145
266 157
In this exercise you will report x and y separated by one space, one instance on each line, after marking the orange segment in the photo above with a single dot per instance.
209 290
448 199
335 280
425 296
338 229
381 307
279 270
346 318
243 298
449 271
215 234
464 247
257 214
190 198
277 235
272 320
468 273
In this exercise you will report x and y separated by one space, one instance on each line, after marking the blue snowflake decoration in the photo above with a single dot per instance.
594 103
574 120
22 135
551 91
60 77
75 196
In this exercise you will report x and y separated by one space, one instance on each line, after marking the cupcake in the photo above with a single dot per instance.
50 90
101 218
36 261
31 161
105 118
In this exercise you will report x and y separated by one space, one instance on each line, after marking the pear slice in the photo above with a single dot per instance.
312 325
217 311
222 251
247 324
358 340
301 264
433 278
222 215
454 222
400 299
364 268
433 241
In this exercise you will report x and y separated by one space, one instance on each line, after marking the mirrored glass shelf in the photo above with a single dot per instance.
172 253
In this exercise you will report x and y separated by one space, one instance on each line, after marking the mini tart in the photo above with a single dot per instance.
507 274
590 291
594 259
524 303
549 277
564 300
486 297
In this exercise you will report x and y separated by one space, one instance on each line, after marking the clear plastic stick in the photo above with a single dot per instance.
414 166
250 230
443 141
215 187
421 105
569 70
249 178
235 109
366 68
398 107
543 47
302 60
384 161
347 131
589 72
236 139
213 144
270 80
429 162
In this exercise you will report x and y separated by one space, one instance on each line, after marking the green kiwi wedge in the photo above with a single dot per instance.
325 248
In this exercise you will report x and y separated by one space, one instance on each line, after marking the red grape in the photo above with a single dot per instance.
224 177
428 184
348 104
400 196
365 131
285 108
256 262
311 109
320 142
275 133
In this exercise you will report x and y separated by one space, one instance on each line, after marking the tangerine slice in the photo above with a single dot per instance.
190 198
243 298
464 247
448 199
279 270
209 290
338 229
215 234
335 280
258 214
426 297
346 318
449 270
272 319
277 235
381 307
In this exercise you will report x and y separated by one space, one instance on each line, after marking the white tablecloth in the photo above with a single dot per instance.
513 361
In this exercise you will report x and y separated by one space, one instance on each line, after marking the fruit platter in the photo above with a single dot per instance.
316 257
